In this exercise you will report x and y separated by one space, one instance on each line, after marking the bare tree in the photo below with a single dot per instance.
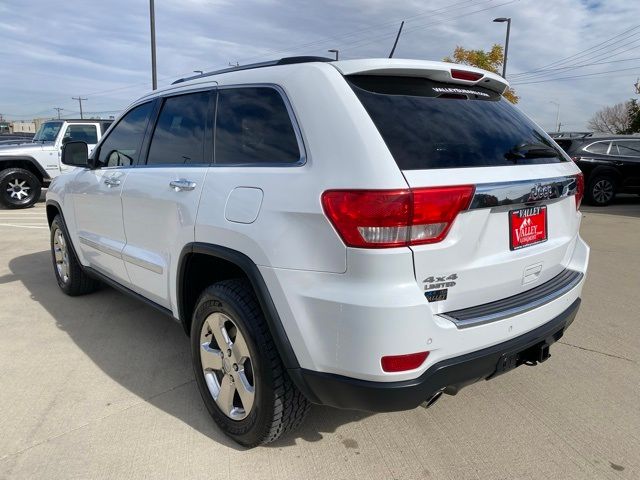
611 120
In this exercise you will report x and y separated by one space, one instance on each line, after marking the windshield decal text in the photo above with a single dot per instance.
459 90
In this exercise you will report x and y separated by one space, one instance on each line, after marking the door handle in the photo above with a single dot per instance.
182 184
111 182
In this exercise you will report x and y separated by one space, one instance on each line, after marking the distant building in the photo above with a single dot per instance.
22 126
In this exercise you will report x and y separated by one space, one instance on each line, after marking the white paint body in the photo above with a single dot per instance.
342 308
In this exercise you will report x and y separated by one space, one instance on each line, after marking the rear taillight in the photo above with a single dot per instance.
579 189
395 218
466 75
402 363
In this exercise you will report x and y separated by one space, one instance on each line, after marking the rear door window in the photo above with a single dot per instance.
599 148
629 148
428 124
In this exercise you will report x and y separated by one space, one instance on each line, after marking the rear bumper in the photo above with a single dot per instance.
450 374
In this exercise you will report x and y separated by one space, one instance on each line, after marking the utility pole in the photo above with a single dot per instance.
80 102
152 20
58 110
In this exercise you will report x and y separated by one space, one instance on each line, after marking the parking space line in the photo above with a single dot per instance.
22 225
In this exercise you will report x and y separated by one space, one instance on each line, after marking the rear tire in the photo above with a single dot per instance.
71 279
19 188
263 402
601 190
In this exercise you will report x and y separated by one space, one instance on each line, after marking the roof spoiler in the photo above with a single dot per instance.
438 71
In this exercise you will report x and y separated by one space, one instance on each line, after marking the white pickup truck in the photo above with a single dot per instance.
27 167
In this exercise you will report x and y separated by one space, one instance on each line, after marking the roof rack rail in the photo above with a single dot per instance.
250 66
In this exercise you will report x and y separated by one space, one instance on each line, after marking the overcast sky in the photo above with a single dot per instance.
51 51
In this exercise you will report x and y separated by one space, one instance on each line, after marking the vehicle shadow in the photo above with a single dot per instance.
144 351
623 205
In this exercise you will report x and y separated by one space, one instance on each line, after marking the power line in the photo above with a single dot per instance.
561 70
601 56
637 67
582 52
332 39
375 39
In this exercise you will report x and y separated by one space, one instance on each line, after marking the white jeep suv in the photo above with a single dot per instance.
26 167
365 234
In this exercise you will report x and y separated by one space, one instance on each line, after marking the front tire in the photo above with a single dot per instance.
241 378
19 188
71 279
601 190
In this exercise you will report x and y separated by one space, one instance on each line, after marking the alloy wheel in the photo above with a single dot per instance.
226 363
61 255
603 191
18 189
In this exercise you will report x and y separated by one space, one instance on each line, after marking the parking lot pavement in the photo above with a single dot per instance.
101 387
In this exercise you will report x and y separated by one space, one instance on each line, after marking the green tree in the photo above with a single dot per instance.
490 60
633 111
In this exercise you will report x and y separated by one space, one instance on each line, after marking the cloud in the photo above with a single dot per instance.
101 49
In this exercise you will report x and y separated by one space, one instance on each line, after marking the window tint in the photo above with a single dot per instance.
122 147
253 127
82 133
629 148
429 124
179 134
598 147
104 126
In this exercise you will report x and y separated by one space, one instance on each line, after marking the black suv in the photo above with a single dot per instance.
611 164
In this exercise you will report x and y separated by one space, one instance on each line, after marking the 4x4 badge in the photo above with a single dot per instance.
445 281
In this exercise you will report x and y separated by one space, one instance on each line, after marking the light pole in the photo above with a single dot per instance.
557 104
334 50
152 21
506 43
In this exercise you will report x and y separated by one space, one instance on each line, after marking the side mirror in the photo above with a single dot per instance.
66 140
75 154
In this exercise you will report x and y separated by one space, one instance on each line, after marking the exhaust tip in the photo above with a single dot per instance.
433 399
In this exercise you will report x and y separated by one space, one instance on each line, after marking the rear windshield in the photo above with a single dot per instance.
429 124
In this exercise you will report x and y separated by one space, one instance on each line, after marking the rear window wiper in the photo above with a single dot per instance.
530 150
